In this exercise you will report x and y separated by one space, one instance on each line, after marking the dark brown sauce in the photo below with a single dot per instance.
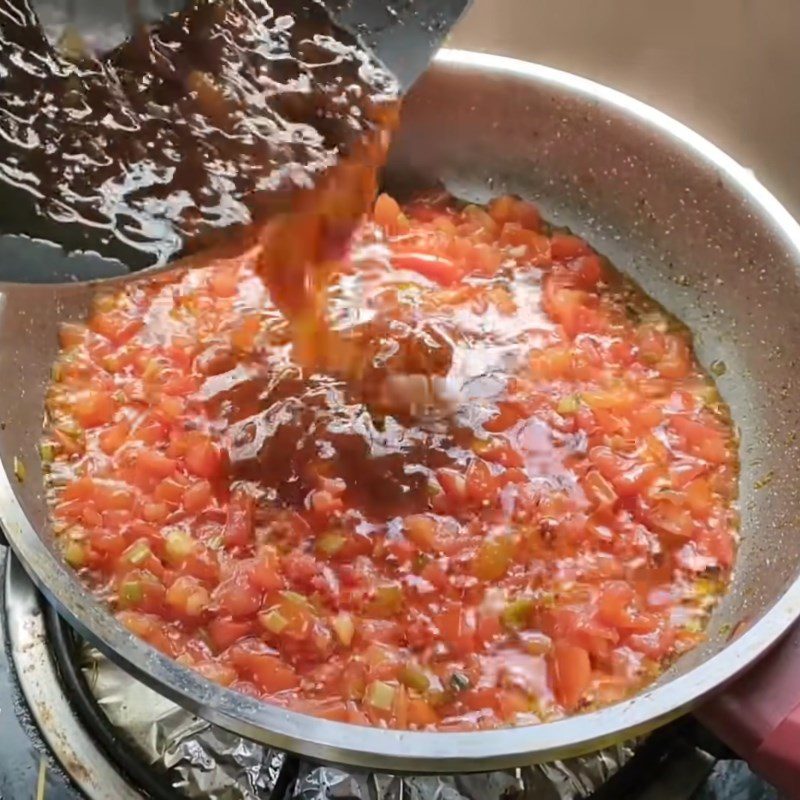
217 118
283 425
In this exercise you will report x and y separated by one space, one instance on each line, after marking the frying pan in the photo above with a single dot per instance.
696 230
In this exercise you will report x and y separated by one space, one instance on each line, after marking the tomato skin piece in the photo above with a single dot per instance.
506 416
572 673
454 485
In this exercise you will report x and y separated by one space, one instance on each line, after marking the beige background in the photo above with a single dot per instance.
728 68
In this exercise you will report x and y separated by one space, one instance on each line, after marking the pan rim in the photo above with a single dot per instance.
428 751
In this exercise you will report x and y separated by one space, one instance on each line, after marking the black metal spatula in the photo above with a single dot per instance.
402 34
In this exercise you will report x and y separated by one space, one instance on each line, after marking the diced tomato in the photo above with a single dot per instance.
226 631
202 564
113 437
93 408
481 699
242 491
114 497
489 628
170 490
115 326
224 282
187 597
513 209
599 490
386 212
71 335
237 597
155 463
177 386
244 334
155 512
267 672
110 544
437 268
572 673
203 459
587 271
197 496
421 529
266 572
481 485
239 525
704 440
455 630
511 703
216 672
564 247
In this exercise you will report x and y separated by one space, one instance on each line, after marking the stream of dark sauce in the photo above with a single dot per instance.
283 426
213 120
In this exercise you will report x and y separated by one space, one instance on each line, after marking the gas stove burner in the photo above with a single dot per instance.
119 740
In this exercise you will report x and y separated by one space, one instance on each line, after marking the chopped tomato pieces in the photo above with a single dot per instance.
572 674
522 508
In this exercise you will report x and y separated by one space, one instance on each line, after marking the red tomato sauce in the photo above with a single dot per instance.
545 544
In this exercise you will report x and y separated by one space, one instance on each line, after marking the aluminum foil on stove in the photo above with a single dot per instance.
201 760
558 780
204 761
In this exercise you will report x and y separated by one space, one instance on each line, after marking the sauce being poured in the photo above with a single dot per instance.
216 119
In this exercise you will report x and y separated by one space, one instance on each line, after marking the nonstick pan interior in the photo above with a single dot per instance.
692 227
